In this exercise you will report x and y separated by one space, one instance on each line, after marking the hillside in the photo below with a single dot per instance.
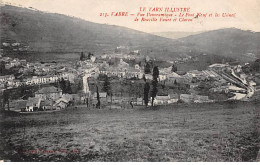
40 32
175 35
47 32
234 43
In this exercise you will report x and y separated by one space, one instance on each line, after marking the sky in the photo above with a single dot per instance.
247 15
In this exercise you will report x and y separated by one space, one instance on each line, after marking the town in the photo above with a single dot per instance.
80 85
123 79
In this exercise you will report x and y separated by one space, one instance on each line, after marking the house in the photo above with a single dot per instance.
21 104
8 66
194 98
114 71
61 103
47 105
132 72
33 104
134 52
104 65
7 78
161 100
180 79
139 101
173 98
68 97
92 58
166 99
201 99
199 75
148 76
15 63
116 99
47 93
102 96
123 64
137 66
23 62
187 98
162 77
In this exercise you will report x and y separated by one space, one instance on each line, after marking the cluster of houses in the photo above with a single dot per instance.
122 70
9 62
48 98
35 73
53 98
6 80
15 46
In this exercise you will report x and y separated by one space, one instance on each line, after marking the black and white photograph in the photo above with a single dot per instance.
129 81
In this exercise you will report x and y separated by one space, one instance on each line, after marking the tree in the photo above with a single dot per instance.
82 56
255 67
22 90
146 93
98 99
144 78
147 68
6 99
175 82
68 87
79 84
2 68
174 68
106 86
62 85
155 82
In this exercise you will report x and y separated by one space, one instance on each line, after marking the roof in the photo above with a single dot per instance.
200 97
46 90
101 94
174 96
7 76
46 103
32 101
162 97
67 96
173 74
133 70
61 100
21 104
187 96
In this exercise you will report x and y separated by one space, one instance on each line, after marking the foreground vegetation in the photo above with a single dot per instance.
198 132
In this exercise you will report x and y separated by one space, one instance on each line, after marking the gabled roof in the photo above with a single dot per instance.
32 101
46 90
21 104
61 100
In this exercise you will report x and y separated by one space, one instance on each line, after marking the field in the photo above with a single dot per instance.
198 132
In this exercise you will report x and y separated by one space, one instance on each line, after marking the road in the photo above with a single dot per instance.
233 78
